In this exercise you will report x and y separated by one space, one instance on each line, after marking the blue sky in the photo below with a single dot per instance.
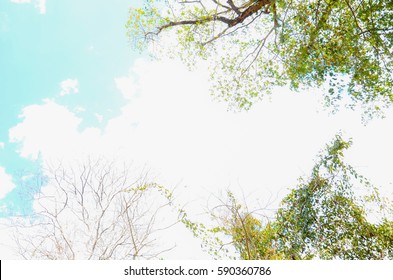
71 86
83 40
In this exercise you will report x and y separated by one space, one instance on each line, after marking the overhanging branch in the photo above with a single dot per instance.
250 9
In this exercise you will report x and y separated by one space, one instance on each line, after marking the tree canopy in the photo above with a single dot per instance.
255 45
329 215
326 216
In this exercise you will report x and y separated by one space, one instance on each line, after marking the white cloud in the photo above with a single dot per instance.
99 117
2 145
52 130
39 4
127 86
69 86
171 124
79 109
6 183
183 133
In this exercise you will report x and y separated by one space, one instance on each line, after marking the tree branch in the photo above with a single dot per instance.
250 10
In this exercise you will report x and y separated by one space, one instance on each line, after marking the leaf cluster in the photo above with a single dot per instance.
253 46
324 217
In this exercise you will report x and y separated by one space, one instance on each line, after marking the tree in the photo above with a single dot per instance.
95 209
249 233
255 45
326 216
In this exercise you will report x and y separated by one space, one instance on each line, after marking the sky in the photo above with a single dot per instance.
72 86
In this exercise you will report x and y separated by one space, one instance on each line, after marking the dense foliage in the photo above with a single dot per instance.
254 45
327 216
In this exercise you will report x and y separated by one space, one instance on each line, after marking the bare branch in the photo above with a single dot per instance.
233 7
95 211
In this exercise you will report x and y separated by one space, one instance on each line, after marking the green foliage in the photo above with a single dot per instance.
249 236
345 46
324 217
